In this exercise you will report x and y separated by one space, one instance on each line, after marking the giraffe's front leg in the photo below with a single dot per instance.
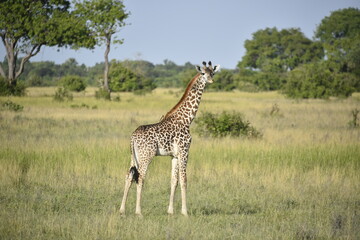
183 185
174 182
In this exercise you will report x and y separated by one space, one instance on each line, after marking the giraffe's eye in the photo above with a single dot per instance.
202 73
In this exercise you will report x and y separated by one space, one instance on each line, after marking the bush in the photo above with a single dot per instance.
247 87
223 81
354 123
124 80
345 84
11 90
269 81
117 98
316 80
11 106
102 94
61 94
225 124
73 83
260 80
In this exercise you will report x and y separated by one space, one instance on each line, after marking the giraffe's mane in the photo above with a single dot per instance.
187 90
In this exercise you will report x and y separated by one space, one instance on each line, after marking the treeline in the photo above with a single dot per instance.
131 75
167 74
275 59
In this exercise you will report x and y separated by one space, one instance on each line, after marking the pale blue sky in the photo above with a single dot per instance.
197 30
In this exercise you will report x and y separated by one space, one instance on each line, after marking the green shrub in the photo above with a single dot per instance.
123 79
61 94
223 81
269 81
275 111
11 106
259 80
83 105
117 99
102 94
316 80
354 123
11 90
247 87
73 83
345 84
225 124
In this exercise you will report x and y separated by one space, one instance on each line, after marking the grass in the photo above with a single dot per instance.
62 170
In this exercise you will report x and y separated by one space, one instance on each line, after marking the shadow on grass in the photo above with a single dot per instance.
240 209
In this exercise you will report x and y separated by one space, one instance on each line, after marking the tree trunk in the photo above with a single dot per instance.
35 49
106 71
11 55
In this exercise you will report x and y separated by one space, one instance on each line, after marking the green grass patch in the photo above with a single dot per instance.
62 171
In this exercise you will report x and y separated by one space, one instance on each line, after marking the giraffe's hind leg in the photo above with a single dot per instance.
132 175
142 172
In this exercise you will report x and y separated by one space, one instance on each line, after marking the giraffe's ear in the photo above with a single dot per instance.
198 68
216 68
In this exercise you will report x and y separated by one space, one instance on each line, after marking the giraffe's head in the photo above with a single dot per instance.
207 72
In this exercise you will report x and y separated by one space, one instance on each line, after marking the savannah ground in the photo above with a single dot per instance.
62 170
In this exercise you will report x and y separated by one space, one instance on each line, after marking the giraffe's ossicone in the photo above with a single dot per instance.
169 137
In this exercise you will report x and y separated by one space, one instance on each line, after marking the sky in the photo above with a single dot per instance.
197 30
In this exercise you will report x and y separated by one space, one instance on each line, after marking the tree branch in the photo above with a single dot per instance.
2 73
106 70
35 50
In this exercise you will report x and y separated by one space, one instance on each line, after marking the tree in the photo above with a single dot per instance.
223 81
340 35
274 52
123 79
140 67
26 26
186 76
71 67
73 83
279 51
316 80
104 18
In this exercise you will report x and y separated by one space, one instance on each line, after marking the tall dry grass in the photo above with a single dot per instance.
62 170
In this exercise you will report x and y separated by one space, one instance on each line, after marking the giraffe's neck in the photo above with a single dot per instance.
185 110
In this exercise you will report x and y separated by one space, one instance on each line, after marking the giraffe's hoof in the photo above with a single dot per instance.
184 214
122 211
170 211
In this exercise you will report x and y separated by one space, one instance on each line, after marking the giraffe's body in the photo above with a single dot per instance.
169 137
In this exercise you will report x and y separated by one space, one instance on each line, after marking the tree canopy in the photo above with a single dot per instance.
285 59
271 50
122 79
26 26
275 59
340 35
104 19
338 73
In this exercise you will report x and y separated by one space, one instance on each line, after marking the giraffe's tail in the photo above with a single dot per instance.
134 173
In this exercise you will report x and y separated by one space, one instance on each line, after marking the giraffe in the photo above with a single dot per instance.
169 137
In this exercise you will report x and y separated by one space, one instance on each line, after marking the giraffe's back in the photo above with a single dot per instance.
161 138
